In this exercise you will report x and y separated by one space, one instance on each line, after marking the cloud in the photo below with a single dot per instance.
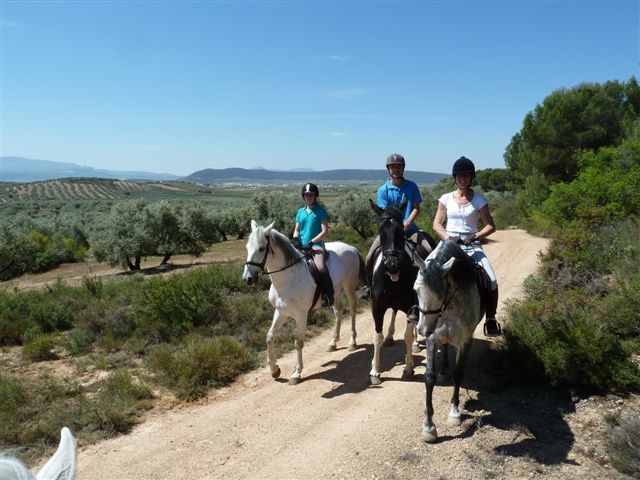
336 134
347 93
339 58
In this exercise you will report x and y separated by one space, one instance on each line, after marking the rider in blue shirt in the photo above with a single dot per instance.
391 193
312 225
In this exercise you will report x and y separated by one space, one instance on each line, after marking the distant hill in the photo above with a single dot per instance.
240 175
19 169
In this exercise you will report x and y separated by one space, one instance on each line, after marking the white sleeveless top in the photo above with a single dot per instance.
462 219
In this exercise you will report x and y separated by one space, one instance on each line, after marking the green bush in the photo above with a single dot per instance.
40 348
119 402
623 444
201 364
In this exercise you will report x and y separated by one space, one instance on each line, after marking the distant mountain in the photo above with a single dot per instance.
18 169
240 175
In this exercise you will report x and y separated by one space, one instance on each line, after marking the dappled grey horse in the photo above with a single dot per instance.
293 288
451 305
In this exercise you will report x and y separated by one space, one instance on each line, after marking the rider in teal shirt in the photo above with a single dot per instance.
312 225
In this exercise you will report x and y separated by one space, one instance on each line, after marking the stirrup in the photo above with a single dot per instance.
492 328
412 315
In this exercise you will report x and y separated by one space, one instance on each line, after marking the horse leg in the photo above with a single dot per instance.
407 372
374 374
458 373
276 323
351 298
416 346
301 327
444 364
337 312
388 339
429 432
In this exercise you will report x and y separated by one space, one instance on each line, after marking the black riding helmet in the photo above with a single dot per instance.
463 165
395 159
310 188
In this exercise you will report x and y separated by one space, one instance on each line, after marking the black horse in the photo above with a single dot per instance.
392 278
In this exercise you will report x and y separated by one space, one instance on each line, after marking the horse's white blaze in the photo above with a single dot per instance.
293 287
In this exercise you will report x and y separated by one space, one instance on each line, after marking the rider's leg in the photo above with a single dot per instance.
420 238
325 278
365 292
491 325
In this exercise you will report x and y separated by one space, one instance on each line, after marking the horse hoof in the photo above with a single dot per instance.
276 373
407 374
415 348
331 348
429 435
353 347
374 380
294 380
388 342
454 421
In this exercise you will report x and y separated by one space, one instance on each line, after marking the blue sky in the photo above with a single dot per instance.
177 87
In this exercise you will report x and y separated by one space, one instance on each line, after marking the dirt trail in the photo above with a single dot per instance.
334 425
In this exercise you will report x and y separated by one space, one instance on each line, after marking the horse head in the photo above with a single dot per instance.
392 235
432 289
258 248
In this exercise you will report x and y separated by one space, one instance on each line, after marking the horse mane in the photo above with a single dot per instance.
291 254
463 272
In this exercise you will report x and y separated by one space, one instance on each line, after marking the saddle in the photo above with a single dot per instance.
315 273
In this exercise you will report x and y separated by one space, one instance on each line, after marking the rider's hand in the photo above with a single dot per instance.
469 239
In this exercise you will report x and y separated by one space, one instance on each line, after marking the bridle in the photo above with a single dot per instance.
447 299
264 259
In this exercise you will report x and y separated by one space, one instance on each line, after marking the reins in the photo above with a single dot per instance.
264 259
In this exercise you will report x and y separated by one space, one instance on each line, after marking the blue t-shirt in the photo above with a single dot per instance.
389 194
311 223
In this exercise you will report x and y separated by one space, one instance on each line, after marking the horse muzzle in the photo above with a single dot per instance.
250 278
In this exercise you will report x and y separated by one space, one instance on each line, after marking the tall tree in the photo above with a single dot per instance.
586 117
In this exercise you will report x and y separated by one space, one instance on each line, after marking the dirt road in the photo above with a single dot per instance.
334 425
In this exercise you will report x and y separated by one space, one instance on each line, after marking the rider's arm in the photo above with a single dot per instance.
296 231
412 216
489 224
323 232
438 221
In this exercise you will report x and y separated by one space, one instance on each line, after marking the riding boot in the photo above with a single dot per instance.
491 325
327 288
365 291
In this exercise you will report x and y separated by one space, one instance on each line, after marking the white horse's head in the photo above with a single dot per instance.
61 466
431 289
257 251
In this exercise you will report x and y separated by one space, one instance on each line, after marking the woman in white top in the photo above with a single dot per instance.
462 208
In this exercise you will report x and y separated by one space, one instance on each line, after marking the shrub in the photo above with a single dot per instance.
202 364
40 348
118 403
623 445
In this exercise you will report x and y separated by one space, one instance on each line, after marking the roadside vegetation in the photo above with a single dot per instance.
573 175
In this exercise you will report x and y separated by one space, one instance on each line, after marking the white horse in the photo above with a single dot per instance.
61 466
293 287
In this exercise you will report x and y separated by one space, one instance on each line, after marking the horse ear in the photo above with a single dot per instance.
62 466
254 224
447 266
376 208
267 229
